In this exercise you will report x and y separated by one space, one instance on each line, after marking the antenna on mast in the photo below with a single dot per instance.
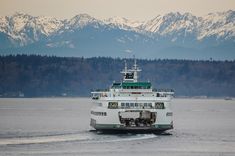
135 64
125 68
130 75
135 70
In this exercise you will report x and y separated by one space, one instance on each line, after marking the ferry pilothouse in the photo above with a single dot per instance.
132 106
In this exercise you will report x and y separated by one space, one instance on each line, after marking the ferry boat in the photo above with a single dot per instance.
132 106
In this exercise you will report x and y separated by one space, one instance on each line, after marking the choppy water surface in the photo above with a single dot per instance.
60 126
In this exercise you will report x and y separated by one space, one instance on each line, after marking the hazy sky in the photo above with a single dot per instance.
132 9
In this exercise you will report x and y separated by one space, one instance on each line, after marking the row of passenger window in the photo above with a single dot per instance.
131 105
114 105
99 113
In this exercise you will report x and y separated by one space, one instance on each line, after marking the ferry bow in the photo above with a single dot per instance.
132 106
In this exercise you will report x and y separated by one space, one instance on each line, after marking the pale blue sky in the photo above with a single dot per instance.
132 9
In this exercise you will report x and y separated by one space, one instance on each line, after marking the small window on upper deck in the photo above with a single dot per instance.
150 105
113 105
159 105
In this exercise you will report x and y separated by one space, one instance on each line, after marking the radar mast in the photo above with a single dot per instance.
131 75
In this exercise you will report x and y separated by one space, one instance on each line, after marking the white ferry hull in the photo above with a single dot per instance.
132 106
112 121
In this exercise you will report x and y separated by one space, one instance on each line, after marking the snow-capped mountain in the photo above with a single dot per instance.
163 36
125 24
220 24
82 20
173 23
25 29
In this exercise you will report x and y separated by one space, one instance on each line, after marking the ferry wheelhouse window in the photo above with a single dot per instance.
159 105
129 75
113 105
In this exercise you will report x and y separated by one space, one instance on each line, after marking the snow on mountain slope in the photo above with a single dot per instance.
172 23
123 23
220 24
3 24
48 25
82 20
153 25
25 29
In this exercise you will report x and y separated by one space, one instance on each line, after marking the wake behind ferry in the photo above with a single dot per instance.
132 106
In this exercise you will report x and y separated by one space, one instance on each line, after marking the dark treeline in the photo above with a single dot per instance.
36 76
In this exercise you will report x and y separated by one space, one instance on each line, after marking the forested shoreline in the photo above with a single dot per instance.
48 76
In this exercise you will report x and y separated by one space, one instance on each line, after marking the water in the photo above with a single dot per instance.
60 126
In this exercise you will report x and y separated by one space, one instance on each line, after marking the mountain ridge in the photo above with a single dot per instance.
161 35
